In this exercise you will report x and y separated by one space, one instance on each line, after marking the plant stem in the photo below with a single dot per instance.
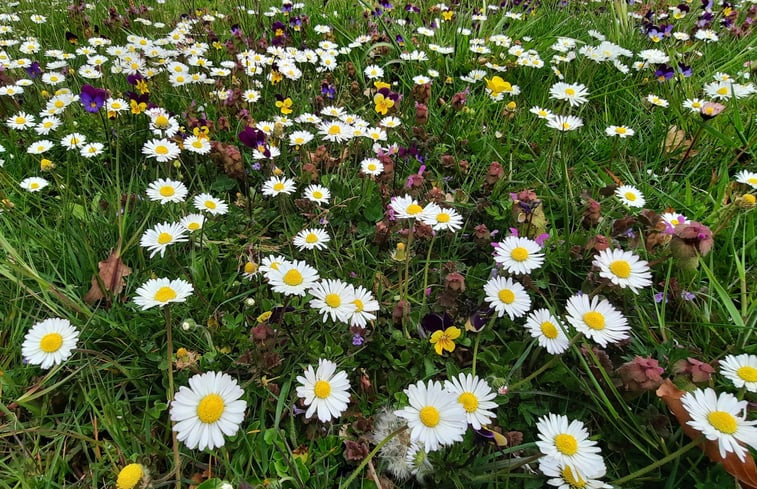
425 272
659 463
688 150
552 361
169 347
475 353
370 456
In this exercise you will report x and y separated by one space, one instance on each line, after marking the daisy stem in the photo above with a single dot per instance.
406 285
425 272
659 463
370 456
547 365
169 347
475 353
688 150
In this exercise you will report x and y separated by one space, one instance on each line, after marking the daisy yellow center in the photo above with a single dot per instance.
674 222
20 120
630 196
34 185
429 416
519 254
621 268
129 476
566 125
210 408
442 217
250 267
469 401
414 209
164 238
549 330
293 278
51 342
193 226
334 130
209 204
566 444
506 296
574 480
747 373
197 144
722 91
59 104
317 195
358 305
333 300
311 238
322 389
165 294
595 320
621 130
723 422
372 166
752 180
570 92
543 113
278 186
167 191
161 150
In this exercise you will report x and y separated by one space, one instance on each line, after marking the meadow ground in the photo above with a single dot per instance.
341 243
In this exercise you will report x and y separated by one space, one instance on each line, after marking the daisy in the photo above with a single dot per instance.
655 100
49 342
623 269
721 418
563 477
299 138
540 112
207 410
365 306
548 330
373 72
250 269
574 93
596 319
371 166
318 193
630 196
192 222
206 202
741 370
564 123
164 191
519 255
272 262
197 145
694 105
441 219
324 390
21 121
434 416
161 149
33 184
292 278
159 237
475 396
568 443
406 207
73 141
507 296
91 150
620 131
747 177
278 185
311 239
335 131
673 219
162 291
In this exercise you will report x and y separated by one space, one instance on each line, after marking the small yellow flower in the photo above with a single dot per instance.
445 340
285 105
276 77
383 104
379 85
129 476
137 108
265 316
46 165
142 87
497 85
448 14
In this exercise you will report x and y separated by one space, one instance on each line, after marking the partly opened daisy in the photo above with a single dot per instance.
747 177
563 477
49 342
723 419
475 396
507 296
33 184
162 291
324 390
207 410
623 269
596 319
568 443
434 416
741 370
548 331
519 255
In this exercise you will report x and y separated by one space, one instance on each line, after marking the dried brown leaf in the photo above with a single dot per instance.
110 278
675 140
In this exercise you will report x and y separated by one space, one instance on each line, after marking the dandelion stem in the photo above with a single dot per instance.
169 347
370 456
659 463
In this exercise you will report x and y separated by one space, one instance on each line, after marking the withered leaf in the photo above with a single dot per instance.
744 472
675 140
110 278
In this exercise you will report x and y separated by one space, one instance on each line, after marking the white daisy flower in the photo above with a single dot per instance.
406 208
721 418
507 296
434 416
278 185
623 269
441 219
620 131
272 262
324 390
33 184
164 190
21 121
197 145
575 93
311 239
335 131
371 166
596 319
161 236
564 123
541 113
563 477
365 306
292 278
318 193
655 100
49 342
207 410
333 298
73 141
741 370
250 269
161 149
548 330
475 396
299 138
569 444
630 196
208 203
673 219
162 291
747 177
192 222
519 255
91 150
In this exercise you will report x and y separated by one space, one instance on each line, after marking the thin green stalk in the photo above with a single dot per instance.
425 272
370 456
658 463
169 347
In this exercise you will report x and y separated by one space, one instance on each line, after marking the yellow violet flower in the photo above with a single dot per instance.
383 104
445 340
497 85
379 84
285 105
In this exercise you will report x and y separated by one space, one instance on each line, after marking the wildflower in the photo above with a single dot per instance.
383 104
747 177
197 145
496 85
161 149
130 476
434 416
210 204
655 100
721 418
641 374
691 239
324 390
406 208
159 237
564 123
318 194
335 131
563 477
92 98
249 270
630 196
365 306
371 166
311 239
373 72
192 222
91 150
73 140
623 269
596 319
20 121
300 138
284 105
568 443
507 296
292 278
519 255
710 110
441 219
475 396
49 342
164 191
574 93
741 370
33 184
207 410
272 262
162 291
699 371
445 339
548 330
333 298
277 185
541 113
620 131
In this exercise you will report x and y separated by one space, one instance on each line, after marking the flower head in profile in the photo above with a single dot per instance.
33 184
165 190
324 390
445 339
